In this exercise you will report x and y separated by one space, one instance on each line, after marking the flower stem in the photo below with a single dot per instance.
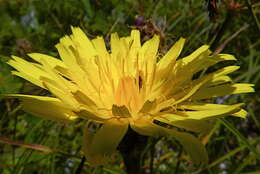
132 148
81 165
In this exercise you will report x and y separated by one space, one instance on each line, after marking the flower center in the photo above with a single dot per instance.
129 93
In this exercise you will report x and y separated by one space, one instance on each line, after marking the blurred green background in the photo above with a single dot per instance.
36 26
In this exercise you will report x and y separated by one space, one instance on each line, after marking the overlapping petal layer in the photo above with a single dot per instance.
129 85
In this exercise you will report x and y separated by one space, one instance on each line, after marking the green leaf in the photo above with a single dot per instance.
230 127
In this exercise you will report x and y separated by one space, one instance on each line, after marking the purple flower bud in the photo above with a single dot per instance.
139 20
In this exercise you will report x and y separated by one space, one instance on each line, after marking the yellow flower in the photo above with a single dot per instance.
129 85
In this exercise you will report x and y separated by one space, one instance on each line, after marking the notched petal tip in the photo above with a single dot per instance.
46 107
76 30
241 113
227 56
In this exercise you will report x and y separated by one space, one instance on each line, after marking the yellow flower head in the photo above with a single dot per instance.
129 85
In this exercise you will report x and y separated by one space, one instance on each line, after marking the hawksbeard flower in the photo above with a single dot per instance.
129 85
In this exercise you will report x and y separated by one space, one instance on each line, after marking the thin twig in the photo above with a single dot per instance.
249 6
14 137
222 30
37 147
223 45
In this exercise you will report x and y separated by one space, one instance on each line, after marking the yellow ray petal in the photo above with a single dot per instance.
241 113
215 77
47 107
201 106
64 96
70 59
181 93
135 35
56 79
131 59
171 55
104 143
29 78
88 115
208 106
219 80
82 49
165 66
203 114
194 55
66 53
199 126
149 50
223 90
180 90
207 61
187 66
126 42
148 106
190 65
63 72
115 43
83 99
54 62
100 46
28 70
225 70
83 42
